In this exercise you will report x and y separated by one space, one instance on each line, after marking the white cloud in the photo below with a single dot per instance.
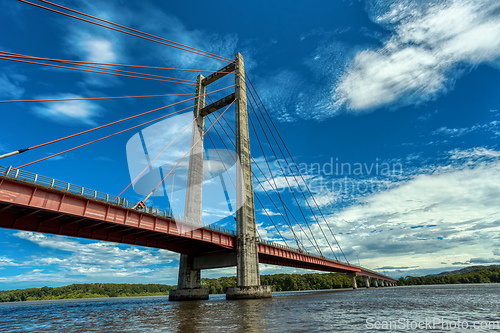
97 49
492 127
265 211
97 261
4 261
69 111
421 60
474 154
443 215
171 27
10 85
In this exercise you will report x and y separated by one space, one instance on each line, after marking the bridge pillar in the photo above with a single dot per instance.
375 283
248 277
353 280
367 282
189 281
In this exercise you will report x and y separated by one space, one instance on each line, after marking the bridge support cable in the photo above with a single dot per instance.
158 156
260 183
141 204
276 191
293 161
268 168
137 34
87 98
13 56
265 191
144 33
227 172
225 168
91 65
171 80
102 126
76 62
286 178
100 139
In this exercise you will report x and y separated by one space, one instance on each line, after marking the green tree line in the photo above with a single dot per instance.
89 290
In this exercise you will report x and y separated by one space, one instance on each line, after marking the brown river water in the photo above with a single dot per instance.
439 308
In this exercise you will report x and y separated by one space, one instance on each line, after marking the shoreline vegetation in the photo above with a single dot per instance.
280 282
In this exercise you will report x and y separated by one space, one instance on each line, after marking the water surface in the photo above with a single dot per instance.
341 311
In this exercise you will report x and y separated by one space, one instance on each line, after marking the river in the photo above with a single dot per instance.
444 306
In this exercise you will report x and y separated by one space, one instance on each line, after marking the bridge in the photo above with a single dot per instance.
33 202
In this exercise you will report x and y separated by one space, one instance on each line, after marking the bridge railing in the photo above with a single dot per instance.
80 190
76 189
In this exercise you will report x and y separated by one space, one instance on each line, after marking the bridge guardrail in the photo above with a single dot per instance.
76 189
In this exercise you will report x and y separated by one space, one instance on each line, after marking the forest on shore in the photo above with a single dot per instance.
280 282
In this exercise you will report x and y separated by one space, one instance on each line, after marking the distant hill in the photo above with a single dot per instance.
473 274
463 270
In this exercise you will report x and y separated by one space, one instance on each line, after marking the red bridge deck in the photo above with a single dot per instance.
36 203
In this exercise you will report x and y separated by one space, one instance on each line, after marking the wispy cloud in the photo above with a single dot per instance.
430 41
474 154
270 212
94 261
10 85
492 127
449 211
4 261
69 112
97 49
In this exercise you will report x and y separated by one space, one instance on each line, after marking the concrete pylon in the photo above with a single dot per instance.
353 280
248 278
189 281
375 283
367 282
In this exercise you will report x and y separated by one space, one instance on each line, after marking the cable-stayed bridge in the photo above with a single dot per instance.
32 202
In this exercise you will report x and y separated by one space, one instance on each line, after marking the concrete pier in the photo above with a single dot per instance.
353 280
375 283
251 292
367 282
188 294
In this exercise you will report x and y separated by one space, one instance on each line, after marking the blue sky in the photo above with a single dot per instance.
412 85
